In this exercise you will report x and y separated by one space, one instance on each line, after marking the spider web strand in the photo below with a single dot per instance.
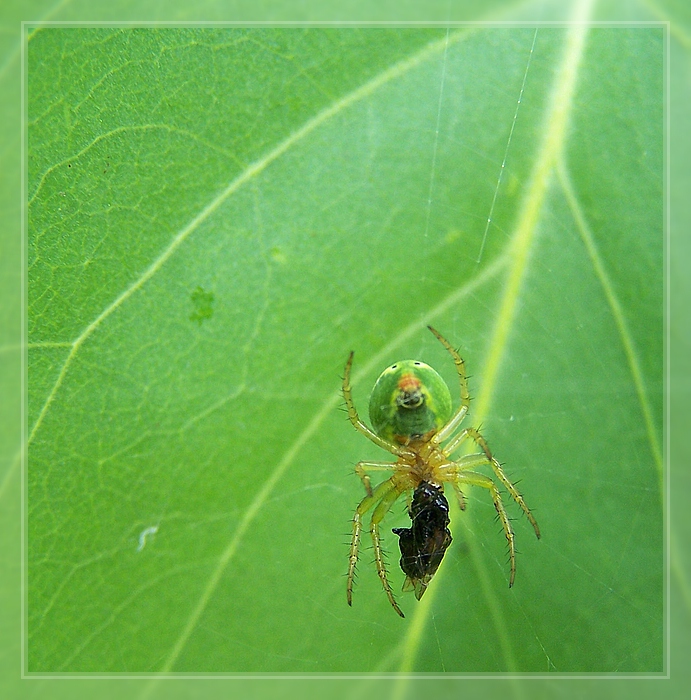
506 151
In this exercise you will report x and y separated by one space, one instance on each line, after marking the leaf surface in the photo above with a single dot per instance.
217 217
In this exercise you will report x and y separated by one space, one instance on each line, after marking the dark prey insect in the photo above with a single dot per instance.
413 418
424 543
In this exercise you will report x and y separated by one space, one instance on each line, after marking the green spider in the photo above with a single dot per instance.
412 415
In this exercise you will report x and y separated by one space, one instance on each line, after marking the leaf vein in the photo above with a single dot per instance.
247 175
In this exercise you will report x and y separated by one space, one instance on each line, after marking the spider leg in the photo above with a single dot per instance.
361 469
379 512
459 415
515 494
355 419
365 504
459 495
476 479
456 441
475 435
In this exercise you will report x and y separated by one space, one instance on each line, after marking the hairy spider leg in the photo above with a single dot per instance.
448 430
361 469
379 512
460 496
384 496
365 504
477 438
515 494
355 419
461 411
475 479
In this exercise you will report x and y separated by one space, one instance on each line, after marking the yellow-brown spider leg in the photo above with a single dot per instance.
379 512
515 494
361 469
476 479
459 415
456 441
460 496
365 504
475 435
355 419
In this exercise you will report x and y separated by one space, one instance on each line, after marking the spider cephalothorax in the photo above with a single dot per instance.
412 415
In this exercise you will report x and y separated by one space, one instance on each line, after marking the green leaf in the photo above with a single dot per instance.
217 217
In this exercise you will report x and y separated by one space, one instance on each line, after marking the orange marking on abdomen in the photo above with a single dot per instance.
409 383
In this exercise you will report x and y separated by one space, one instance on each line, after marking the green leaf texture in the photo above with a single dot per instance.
217 216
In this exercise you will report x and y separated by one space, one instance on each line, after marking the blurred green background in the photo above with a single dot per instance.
205 404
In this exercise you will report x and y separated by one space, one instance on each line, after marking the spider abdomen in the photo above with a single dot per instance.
408 401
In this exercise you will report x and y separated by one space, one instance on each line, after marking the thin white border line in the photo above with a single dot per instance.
40 24
666 357
24 352
351 676
665 25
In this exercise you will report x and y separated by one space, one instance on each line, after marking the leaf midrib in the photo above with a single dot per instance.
519 248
